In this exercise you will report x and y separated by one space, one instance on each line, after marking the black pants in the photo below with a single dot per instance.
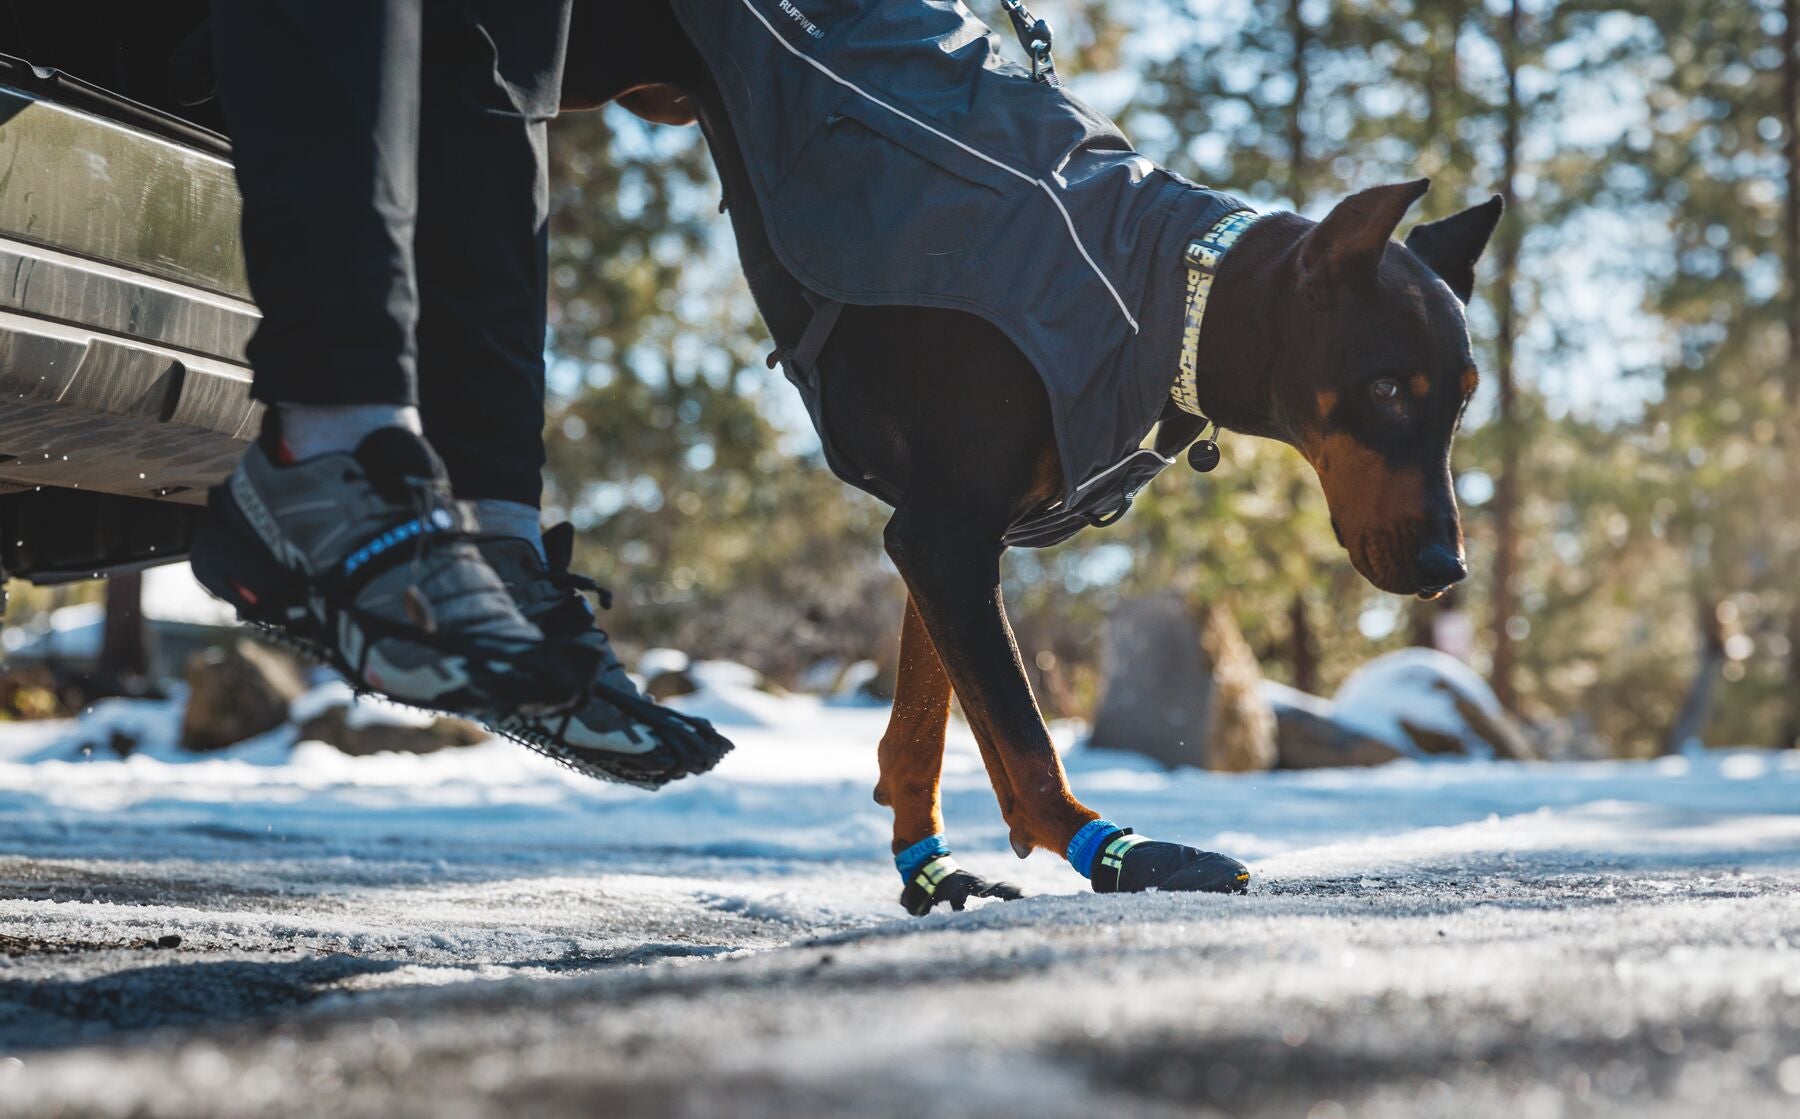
392 162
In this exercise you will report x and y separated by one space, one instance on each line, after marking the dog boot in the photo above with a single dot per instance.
365 561
615 733
933 878
1119 862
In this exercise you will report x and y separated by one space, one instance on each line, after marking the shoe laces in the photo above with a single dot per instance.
418 606
580 584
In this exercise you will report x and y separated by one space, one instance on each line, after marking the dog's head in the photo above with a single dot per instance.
1375 369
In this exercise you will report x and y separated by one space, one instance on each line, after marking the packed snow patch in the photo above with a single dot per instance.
798 787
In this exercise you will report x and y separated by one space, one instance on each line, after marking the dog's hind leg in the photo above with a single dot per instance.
912 762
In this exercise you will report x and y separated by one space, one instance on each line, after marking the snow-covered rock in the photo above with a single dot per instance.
1425 702
729 694
657 661
1309 734
853 686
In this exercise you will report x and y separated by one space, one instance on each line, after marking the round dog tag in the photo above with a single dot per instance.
1203 455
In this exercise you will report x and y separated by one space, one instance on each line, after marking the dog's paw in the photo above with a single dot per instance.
1130 864
942 882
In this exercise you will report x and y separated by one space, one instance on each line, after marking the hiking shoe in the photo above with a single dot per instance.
616 734
365 560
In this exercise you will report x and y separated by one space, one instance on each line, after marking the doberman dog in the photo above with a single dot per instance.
1326 336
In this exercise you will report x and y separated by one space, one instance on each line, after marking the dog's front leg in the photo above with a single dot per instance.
912 749
912 762
952 570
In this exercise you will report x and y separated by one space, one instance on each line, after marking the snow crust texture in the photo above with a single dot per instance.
281 930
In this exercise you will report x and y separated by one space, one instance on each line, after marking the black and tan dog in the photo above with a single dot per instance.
1326 336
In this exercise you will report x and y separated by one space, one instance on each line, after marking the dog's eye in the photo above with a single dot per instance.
1385 391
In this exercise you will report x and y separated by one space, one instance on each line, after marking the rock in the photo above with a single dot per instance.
1568 740
670 683
1182 693
121 744
1240 733
235 692
1154 700
729 674
820 677
1425 702
659 660
1308 734
343 727
861 682
666 673
31 692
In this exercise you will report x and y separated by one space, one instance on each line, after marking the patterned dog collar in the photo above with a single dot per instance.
1203 256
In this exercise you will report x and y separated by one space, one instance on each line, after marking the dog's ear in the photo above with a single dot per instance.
1345 249
1452 246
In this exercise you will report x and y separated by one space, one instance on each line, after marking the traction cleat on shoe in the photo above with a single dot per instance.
1129 864
616 733
364 560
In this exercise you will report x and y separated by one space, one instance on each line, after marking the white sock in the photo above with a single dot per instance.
311 430
510 518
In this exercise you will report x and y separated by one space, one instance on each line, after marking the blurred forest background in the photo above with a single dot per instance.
1628 473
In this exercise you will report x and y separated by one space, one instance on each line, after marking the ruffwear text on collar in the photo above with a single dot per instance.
1203 255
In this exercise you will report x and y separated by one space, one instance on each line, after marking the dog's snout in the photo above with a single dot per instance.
1439 567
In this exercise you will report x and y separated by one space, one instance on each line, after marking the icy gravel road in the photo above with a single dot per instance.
289 932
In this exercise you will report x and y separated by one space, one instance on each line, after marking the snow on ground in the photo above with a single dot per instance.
279 929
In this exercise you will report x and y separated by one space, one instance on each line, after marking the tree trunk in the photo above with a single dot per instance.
124 643
1296 129
1303 653
1506 488
1422 619
1696 709
1790 108
1302 648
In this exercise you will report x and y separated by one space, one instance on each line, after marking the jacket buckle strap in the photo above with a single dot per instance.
1035 36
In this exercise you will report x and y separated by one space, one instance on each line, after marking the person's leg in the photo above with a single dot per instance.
322 99
491 78
339 526
492 75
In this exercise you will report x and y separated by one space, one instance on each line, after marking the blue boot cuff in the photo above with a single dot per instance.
910 860
1085 845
